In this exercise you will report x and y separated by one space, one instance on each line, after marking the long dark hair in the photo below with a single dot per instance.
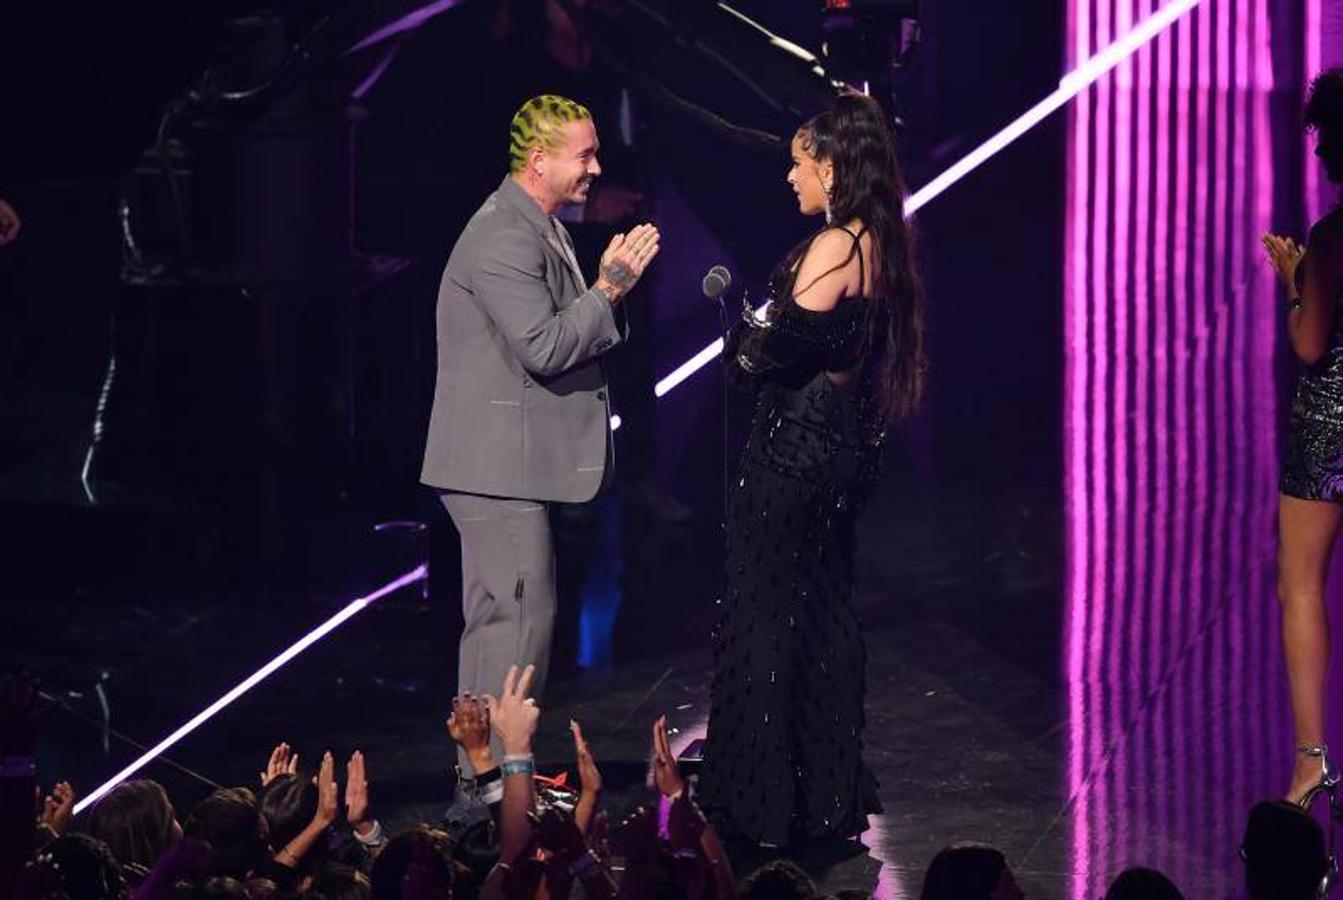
135 820
868 186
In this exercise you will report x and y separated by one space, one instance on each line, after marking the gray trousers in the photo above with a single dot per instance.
508 593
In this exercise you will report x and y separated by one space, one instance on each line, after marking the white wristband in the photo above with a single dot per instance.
374 838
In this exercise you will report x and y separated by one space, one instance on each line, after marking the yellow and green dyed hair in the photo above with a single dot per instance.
538 123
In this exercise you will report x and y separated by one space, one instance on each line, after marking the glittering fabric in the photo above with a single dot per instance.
783 760
1312 466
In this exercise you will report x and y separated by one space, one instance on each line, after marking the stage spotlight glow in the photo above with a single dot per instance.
1076 81
419 573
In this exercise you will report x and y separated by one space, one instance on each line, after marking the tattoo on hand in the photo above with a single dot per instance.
620 274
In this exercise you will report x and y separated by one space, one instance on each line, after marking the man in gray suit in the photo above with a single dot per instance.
521 416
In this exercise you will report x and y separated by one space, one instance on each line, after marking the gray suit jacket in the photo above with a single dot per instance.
520 406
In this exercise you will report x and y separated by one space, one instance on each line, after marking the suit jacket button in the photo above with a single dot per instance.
601 395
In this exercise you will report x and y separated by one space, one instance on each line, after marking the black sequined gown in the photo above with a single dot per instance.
783 760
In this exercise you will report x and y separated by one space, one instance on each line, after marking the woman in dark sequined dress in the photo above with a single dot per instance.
1311 485
838 356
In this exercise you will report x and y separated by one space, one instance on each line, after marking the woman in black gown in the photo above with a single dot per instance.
837 357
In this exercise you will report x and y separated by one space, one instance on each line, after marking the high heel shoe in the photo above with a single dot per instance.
1329 777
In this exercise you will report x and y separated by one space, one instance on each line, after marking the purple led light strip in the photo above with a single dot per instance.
1170 463
419 573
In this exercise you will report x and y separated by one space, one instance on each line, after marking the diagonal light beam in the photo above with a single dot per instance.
1072 84
419 573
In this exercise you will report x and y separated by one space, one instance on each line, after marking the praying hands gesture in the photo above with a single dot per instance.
625 259
1285 254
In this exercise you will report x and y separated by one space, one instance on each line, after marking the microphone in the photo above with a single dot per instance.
716 282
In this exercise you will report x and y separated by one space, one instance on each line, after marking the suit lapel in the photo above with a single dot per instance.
513 193
569 254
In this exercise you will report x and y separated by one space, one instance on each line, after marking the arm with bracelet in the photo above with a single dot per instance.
291 854
469 726
514 717
1311 276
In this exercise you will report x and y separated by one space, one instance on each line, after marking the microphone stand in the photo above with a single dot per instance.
725 324
725 327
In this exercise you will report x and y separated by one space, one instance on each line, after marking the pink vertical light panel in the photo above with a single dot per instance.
1169 465
1313 51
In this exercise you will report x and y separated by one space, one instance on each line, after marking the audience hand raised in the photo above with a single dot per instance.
356 793
513 714
665 774
328 794
283 761
58 806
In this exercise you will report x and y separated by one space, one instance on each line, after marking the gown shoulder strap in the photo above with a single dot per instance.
858 248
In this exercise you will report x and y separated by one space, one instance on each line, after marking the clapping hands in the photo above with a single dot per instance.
625 259
284 761
1285 254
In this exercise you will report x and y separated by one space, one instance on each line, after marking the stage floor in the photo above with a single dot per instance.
975 729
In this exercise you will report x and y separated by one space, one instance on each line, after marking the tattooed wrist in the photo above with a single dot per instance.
619 275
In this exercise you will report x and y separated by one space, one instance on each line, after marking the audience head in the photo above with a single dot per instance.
969 872
475 851
230 821
779 879
263 889
421 850
288 804
1137 883
336 881
72 867
1324 116
220 888
1284 850
136 821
